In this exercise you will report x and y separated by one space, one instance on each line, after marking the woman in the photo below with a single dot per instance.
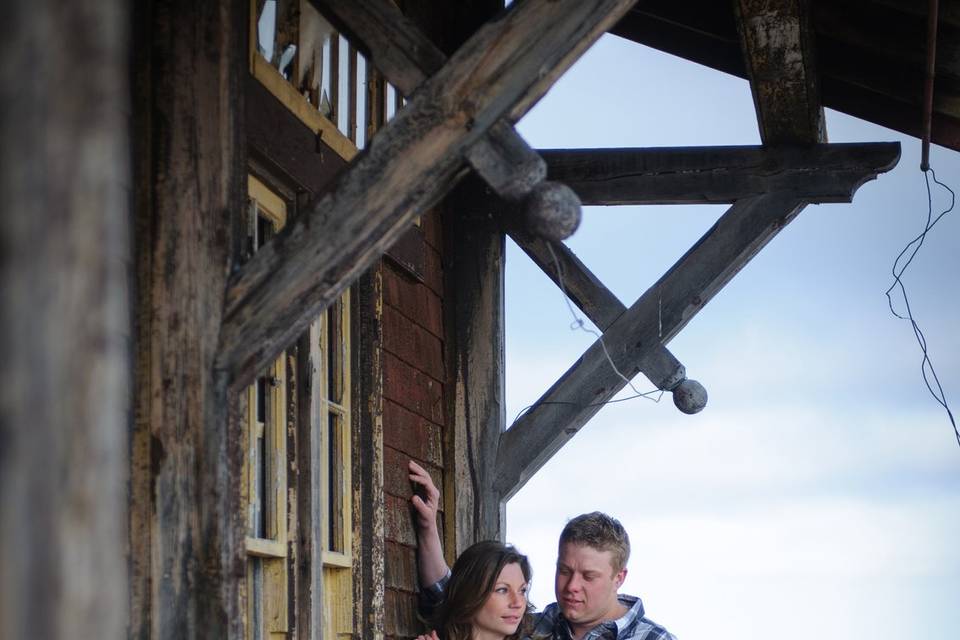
485 597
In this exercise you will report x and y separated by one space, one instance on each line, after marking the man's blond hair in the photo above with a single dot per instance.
601 532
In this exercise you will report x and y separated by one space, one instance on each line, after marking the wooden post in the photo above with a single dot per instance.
778 49
65 324
367 300
474 246
186 523
476 400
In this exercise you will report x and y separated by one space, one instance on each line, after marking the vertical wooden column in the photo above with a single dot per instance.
186 526
475 300
65 322
368 471
473 310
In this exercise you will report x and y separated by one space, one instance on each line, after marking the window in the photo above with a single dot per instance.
271 543
321 77
335 469
265 462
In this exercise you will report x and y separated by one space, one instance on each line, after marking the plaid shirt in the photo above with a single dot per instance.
550 623
631 626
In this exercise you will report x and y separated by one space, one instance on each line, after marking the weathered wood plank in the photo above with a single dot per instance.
695 175
191 179
476 402
502 70
65 330
368 446
662 311
596 301
778 46
408 58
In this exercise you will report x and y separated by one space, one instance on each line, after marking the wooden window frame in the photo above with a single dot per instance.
271 548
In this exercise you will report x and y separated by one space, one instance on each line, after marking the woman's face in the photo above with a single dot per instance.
502 612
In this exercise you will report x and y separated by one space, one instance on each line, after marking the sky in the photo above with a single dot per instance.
821 484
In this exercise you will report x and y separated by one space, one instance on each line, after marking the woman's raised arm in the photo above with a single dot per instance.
430 562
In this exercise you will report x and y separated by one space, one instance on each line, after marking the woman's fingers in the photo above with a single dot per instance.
419 475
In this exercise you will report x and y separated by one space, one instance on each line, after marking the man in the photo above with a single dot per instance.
591 567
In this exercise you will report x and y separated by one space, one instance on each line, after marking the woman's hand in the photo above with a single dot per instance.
430 562
431 636
425 508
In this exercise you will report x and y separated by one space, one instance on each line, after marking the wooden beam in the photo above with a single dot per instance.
777 43
407 58
187 523
596 301
695 175
662 311
65 324
580 393
476 400
500 72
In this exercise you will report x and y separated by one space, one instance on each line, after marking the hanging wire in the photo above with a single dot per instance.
579 324
912 247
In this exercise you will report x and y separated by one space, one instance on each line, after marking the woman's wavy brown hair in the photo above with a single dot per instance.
472 580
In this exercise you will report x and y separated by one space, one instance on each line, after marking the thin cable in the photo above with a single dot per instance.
897 271
578 323
647 395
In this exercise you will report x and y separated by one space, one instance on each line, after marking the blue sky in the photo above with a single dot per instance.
821 485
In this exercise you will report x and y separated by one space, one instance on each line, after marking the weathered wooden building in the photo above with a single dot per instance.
253 264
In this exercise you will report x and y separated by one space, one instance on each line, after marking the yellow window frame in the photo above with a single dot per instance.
270 548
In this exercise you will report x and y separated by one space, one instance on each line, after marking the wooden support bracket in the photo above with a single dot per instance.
502 157
712 175
499 73
655 318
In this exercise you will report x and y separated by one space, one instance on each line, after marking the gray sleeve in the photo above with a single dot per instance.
432 595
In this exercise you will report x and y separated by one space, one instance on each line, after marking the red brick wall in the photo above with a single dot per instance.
413 408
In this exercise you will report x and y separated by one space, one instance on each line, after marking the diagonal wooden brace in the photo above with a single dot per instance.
500 72
502 157
599 304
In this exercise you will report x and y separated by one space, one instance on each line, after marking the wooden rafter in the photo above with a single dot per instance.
500 72
777 44
662 311
710 175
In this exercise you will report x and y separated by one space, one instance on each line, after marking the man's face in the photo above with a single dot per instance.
586 585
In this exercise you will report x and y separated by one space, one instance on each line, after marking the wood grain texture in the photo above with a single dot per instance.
504 68
475 355
700 175
778 47
368 473
191 180
65 328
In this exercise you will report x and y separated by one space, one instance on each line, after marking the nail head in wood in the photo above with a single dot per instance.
690 397
552 211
